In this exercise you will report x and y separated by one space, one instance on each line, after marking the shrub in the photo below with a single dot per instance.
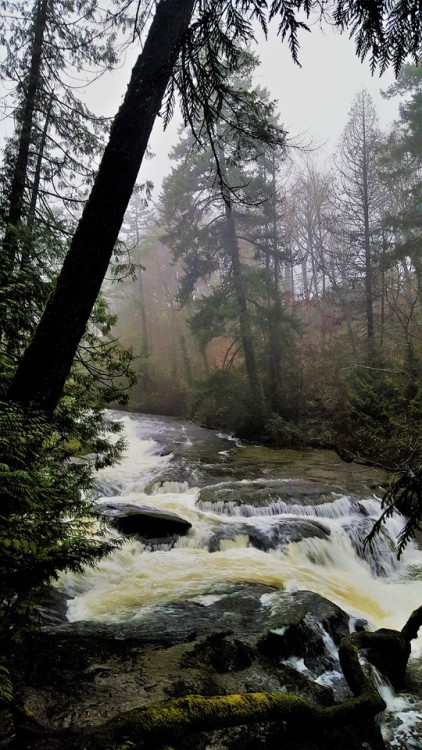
46 520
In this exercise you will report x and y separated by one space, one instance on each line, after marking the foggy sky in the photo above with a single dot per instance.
313 100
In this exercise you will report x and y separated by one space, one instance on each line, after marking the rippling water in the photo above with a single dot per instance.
137 575
245 530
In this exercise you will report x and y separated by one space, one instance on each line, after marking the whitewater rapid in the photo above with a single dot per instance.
126 585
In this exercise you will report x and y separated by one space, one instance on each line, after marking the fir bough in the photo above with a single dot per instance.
47 522
404 496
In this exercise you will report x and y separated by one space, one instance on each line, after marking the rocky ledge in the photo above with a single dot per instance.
252 638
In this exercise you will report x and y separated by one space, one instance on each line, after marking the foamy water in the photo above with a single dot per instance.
135 576
366 584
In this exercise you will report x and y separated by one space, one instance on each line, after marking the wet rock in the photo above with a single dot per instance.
52 607
360 625
264 492
144 521
390 655
382 558
278 533
226 642
305 626
285 531
223 653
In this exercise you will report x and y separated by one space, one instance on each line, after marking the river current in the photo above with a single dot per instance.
295 521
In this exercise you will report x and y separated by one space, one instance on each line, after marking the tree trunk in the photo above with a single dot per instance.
27 245
145 349
17 190
186 361
46 363
258 407
275 324
368 256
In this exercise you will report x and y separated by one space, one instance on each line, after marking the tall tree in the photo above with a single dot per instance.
268 229
309 207
51 155
359 198
206 230
17 188
47 44
401 166
176 52
401 173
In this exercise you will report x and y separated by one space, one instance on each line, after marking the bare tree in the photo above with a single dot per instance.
358 199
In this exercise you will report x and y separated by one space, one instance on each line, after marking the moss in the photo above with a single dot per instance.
73 446
168 721
195 712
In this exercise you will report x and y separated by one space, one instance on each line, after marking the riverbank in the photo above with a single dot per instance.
253 638
236 604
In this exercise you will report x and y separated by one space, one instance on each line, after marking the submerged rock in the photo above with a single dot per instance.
263 492
286 531
276 534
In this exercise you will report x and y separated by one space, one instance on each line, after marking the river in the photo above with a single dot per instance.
293 520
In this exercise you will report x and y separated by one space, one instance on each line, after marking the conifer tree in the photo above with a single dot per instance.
206 233
182 52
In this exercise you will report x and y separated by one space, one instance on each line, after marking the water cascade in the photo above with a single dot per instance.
315 546
372 585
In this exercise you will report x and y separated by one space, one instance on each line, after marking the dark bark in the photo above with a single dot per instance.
37 174
145 350
258 407
275 324
27 244
17 190
186 361
43 369
410 630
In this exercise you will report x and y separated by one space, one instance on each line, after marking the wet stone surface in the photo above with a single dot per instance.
213 456
143 521
236 641
252 638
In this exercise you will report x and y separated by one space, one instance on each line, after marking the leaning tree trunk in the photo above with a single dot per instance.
46 363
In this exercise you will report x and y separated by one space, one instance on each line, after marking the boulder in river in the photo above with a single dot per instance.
251 638
144 521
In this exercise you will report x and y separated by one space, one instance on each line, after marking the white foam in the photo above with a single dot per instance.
135 577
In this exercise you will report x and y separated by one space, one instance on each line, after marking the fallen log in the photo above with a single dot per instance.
138 726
